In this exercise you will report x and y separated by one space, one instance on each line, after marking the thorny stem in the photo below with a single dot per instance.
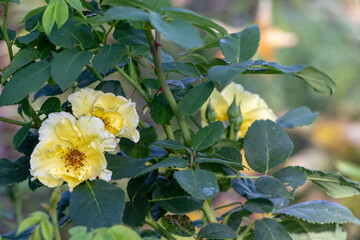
155 50
150 221
208 212
93 70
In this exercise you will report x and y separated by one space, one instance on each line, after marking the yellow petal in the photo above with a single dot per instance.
232 90
83 100
73 178
48 127
66 131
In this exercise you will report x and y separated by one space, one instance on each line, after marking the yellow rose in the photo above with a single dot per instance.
251 105
71 150
118 114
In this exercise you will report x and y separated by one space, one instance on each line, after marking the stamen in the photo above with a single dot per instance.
74 158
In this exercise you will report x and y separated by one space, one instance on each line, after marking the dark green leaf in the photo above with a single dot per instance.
157 4
272 186
195 98
320 211
241 46
223 74
18 87
21 135
127 35
205 66
185 68
169 143
266 145
206 136
51 104
174 199
136 211
333 183
178 31
270 229
168 162
14 172
11 34
76 4
227 162
108 57
230 153
124 13
216 231
140 186
179 225
20 59
72 34
133 3
291 176
259 205
308 231
27 39
193 18
32 13
28 145
199 183
96 204
160 110
297 117
123 167
67 66
33 21
111 86
235 218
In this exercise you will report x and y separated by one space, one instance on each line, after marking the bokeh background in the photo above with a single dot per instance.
323 34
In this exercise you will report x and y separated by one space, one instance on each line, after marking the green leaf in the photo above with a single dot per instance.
157 4
169 143
193 18
272 186
14 172
333 183
303 230
136 211
29 38
56 11
174 199
123 167
266 145
227 162
160 110
230 153
224 74
21 135
116 232
20 59
179 225
168 162
241 46
291 176
72 34
96 204
235 218
35 218
111 86
208 135
18 87
259 205
216 231
349 169
195 98
140 149
127 35
199 183
206 65
133 3
270 229
178 31
141 185
76 4
67 66
108 57
80 233
52 104
33 12
124 13
185 68
320 211
47 229
297 117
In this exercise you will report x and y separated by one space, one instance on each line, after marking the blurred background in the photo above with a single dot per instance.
323 34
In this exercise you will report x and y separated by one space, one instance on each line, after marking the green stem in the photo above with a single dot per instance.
33 114
53 214
93 70
7 120
166 90
107 34
169 132
232 134
6 36
242 176
208 212
13 193
134 83
150 221
243 235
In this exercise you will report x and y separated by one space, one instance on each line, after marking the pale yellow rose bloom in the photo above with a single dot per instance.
118 113
251 105
71 150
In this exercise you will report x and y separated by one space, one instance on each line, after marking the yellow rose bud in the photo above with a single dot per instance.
71 150
117 113
251 105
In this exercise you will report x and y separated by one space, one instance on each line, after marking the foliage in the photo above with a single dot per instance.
69 47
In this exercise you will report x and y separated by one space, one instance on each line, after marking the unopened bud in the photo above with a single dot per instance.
210 114
234 114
